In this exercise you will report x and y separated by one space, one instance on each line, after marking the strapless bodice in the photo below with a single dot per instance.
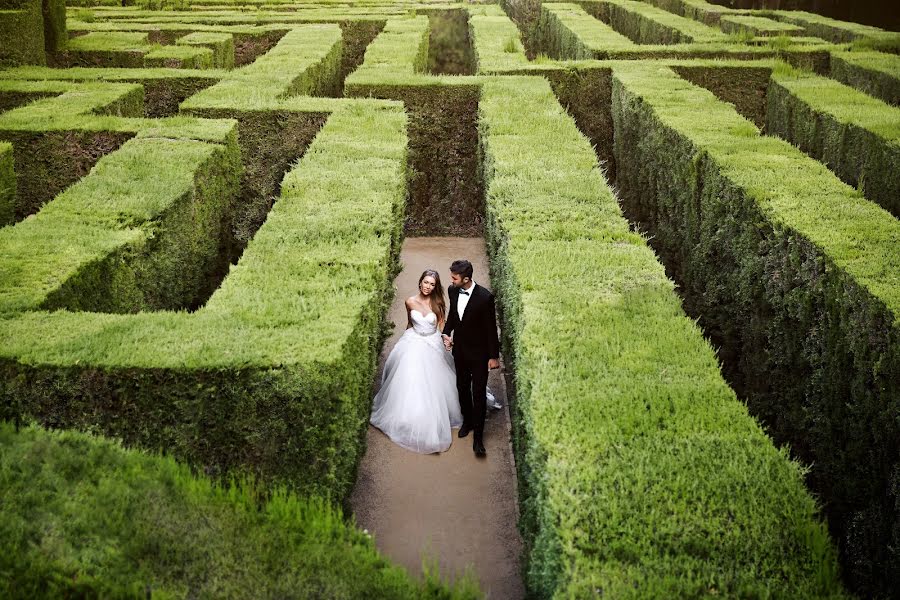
423 324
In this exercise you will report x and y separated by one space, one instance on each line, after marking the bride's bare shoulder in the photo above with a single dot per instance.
410 303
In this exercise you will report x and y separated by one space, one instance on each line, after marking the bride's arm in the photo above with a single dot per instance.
409 307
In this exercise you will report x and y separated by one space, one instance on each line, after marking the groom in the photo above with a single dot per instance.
475 347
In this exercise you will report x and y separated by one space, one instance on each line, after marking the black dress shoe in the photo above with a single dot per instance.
464 430
478 447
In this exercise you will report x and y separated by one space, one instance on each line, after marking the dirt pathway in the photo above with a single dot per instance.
448 506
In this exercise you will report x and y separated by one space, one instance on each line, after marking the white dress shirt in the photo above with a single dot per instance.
463 300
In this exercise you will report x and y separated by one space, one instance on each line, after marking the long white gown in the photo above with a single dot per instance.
418 404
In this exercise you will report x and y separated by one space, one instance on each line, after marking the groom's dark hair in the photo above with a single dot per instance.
462 267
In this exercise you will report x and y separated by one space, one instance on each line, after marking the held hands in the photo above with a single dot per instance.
493 363
448 342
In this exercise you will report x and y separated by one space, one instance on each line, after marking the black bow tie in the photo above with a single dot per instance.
462 291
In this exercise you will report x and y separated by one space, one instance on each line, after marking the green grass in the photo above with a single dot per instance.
641 474
84 517
857 136
796 278
399 55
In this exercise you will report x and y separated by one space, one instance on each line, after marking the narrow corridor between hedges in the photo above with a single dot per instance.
451 508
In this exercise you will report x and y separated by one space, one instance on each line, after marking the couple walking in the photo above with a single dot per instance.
426 391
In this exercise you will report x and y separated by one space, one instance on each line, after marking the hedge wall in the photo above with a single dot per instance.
874 73
21 33
857 136
82 517
221 44
646 24
796 279
58 139
142 231
273 374
55 34
566 31
7 184
445 185
641 474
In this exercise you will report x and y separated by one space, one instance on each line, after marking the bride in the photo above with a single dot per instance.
418 404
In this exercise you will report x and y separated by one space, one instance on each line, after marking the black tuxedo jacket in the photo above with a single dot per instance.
475 336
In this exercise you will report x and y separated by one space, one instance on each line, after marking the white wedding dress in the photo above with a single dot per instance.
418 404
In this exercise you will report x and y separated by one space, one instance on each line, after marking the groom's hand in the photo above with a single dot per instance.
448 342
493 363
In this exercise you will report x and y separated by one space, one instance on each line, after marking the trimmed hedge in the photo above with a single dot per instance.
641 474
445 188
7 184
698 10
566 31
646 24
222 45
495 40
305 61
840 31
84 517
107 49
141 232
758 26
273 375
795 277
180 57
58 139
857 136
874 73
55 34
21 33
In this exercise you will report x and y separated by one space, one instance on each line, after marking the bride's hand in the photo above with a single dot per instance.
448 342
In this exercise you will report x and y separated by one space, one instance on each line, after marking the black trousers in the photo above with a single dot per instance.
471 383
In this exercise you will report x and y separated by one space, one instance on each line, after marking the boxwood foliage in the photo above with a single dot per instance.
445 186
54 15
305 61
875 73
857 136
7 184
641 474
566 31
273 374
647 24
21 33
83 517
795 277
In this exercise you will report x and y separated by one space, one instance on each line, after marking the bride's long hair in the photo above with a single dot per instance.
438 304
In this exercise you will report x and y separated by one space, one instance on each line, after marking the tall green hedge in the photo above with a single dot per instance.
857 136
82 517
21 33
874 73
55 34
273 374
7 184
641 474
795 277
566 31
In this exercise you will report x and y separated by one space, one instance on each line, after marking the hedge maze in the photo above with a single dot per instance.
691 213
